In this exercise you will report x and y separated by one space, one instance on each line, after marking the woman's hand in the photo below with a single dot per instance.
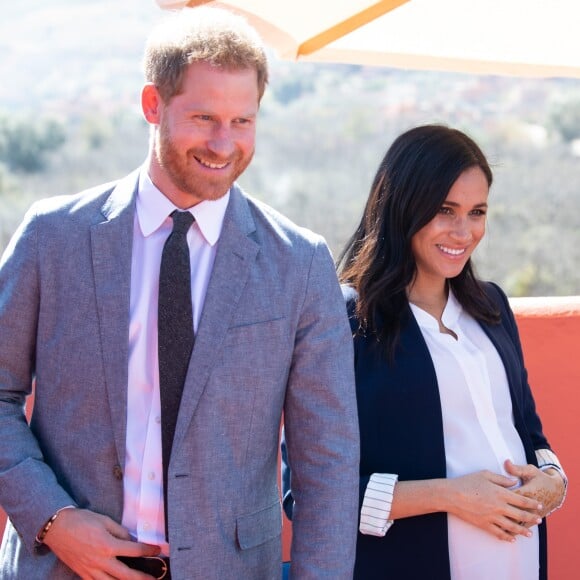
546 487
484 499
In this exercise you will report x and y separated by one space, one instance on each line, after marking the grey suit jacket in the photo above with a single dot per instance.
273 340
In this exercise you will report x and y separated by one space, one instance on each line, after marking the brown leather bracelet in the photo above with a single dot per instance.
42 534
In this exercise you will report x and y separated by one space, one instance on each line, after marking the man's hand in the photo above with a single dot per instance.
547 487
89 543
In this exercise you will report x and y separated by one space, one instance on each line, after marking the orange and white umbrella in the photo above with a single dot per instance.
515 37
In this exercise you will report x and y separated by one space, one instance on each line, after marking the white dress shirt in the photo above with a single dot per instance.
143 511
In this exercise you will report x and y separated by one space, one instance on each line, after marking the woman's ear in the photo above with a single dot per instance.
151 103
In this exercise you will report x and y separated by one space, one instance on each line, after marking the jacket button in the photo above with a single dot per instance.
118 472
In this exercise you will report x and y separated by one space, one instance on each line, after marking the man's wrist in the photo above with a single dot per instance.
42 534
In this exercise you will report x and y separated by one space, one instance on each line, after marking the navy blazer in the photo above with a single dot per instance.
401 431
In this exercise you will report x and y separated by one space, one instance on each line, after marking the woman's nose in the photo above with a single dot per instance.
461 229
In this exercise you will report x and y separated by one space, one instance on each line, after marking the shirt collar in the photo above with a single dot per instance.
153 208
450 315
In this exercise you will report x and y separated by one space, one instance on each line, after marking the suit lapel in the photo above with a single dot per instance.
111 242
236 253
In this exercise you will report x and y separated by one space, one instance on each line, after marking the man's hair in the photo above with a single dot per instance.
214 36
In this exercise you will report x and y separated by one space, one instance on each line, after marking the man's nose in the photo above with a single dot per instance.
221 142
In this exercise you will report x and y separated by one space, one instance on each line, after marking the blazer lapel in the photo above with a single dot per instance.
235 255
112 241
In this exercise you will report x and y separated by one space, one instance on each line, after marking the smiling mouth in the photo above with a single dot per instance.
210 165
451 251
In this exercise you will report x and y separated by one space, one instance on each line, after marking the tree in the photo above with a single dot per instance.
566 119
26 144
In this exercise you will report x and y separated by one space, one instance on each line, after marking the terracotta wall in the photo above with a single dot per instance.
550 332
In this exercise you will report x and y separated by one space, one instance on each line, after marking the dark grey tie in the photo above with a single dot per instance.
175 331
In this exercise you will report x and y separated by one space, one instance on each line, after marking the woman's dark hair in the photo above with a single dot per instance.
410 186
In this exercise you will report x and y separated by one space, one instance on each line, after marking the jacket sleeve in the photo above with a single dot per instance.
321 430
29 492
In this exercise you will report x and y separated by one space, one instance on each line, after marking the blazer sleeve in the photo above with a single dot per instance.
349 296
531 419
29 492
321 430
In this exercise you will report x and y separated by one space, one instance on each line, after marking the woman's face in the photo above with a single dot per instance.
442 247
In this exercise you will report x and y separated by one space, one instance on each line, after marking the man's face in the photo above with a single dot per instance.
206 134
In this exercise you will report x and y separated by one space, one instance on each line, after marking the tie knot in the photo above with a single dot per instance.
182 220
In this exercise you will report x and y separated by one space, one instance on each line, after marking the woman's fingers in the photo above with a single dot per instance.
485 500
507 530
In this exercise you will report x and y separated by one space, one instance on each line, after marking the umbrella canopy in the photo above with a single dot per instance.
297 29
515 37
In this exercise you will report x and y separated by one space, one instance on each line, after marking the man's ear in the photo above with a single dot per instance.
151 103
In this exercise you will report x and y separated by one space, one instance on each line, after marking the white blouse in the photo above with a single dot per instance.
479 433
